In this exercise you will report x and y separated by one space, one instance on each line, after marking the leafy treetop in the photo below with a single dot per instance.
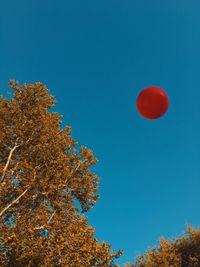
42 177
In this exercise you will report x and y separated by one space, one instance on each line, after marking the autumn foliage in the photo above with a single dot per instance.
180 252
42 176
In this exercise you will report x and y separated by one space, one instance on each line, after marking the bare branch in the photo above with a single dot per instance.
11 204
40 227
51 217
18 198
8 161
11 152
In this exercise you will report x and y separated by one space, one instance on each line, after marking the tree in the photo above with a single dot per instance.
181 252
42 176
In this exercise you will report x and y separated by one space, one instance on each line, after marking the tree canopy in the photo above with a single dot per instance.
180 252
43 175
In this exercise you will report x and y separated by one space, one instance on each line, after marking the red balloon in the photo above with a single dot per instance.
152 102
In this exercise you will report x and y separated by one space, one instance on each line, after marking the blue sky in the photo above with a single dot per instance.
95 57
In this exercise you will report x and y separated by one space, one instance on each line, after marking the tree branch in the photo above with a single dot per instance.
11 204
11 152
18 198
51 217
8 161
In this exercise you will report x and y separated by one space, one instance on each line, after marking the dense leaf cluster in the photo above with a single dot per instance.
42 177
181 252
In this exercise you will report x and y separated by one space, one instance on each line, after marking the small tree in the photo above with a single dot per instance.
42 176
181 252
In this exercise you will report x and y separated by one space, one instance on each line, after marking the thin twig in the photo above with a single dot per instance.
38 228
51 217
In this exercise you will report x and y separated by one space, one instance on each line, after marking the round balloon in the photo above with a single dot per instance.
152 102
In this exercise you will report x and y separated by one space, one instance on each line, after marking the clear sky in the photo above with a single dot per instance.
95 57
